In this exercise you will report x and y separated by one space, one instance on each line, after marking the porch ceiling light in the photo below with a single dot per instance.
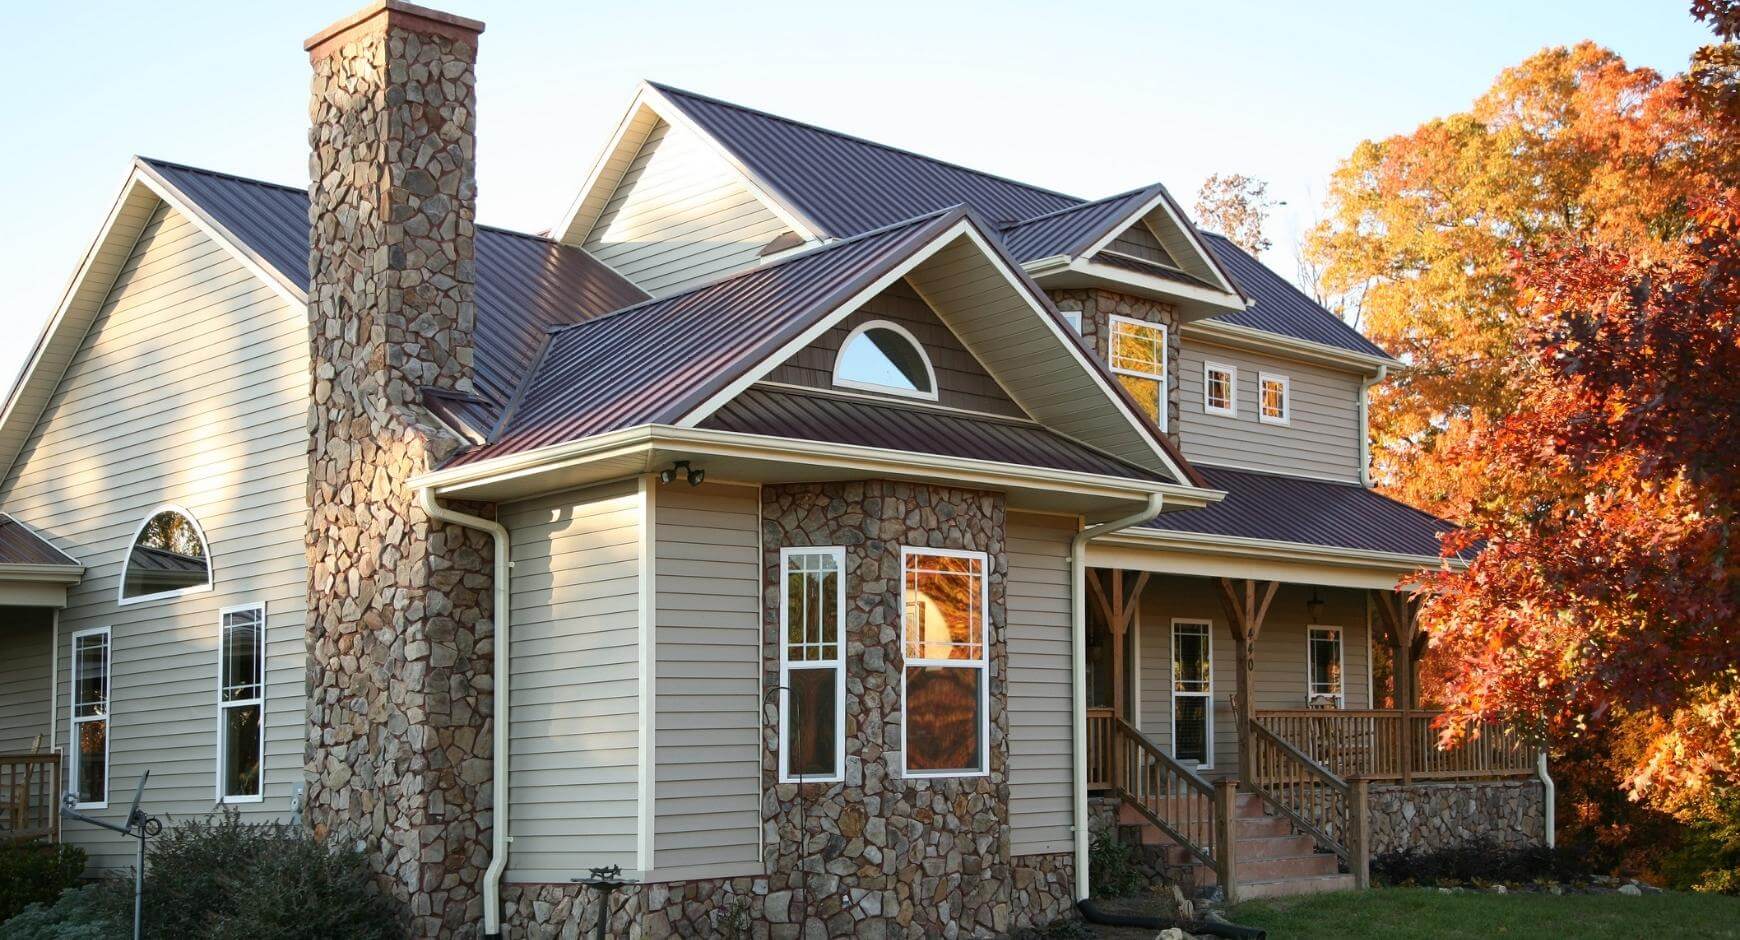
1314 606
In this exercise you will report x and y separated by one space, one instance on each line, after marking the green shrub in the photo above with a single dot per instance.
101 911
1708 859
218 877
1112 868
33 873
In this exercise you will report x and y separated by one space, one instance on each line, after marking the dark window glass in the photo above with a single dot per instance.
242 750
814 722
1190 728
93 775
942 719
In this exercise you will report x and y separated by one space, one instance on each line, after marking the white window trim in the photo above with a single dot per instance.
223 706
1286 398
983 664
1311 631
108 717
838 553
924 357
1162 377
1208 696
127 559
1232 389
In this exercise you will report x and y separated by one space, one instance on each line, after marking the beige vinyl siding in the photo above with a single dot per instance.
26 649
575 686
707 791
1041 808
1280 664
961 381
190 388
1320 440
680 216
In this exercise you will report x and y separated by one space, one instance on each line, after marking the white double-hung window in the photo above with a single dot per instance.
812 664
89 780
945 641
241 703
1138 359
1274 399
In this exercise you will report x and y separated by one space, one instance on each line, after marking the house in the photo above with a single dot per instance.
816 530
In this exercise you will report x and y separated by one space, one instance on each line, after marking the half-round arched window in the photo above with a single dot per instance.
168 556
883 357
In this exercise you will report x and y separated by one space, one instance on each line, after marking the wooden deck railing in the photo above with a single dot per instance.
1397 745
30 788
1328 808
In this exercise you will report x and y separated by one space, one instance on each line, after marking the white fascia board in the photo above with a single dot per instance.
289 291
870 460
1230 302
1246 338
562 230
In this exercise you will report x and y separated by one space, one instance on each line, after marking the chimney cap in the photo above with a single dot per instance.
397 13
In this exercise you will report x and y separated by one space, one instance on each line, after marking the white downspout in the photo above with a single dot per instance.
1547 798
1078 657
1365 424
498 831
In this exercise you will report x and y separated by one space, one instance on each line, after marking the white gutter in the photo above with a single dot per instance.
1365 425
1078 682
498 831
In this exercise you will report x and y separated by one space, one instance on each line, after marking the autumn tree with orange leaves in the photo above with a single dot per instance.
1560 269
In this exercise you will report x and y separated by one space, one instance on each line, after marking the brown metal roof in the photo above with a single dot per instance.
848 185
1071 231
20 546
1309 512
654 362
818 416
1279 307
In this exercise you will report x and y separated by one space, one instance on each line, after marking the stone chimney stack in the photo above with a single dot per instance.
399 628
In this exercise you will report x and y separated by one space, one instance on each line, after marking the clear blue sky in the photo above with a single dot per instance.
1088 98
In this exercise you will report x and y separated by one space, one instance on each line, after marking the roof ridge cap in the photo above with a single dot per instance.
768 266
862 140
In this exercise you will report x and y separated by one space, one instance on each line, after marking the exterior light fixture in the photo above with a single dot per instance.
693 474
1314 606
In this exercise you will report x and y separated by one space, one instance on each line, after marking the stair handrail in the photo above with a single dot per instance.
1272 755
1138 782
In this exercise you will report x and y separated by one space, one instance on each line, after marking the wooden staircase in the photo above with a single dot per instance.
1274 858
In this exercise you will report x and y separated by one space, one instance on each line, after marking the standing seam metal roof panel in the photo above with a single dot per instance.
820 417
1280 307
20 546
848 185
653 362
1070 231
1308 512
525 284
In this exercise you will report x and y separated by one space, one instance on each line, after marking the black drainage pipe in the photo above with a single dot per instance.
1092 914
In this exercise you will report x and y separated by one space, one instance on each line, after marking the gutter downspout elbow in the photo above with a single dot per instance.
498 830
1365 424
1078 670
1547 798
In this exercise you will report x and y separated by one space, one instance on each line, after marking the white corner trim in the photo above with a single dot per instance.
648 668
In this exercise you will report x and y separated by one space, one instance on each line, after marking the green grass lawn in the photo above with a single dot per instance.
1402 913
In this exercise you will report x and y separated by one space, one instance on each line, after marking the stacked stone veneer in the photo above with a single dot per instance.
1431 816
1097 306
399 642
875 856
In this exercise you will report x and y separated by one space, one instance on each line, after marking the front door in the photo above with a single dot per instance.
1193 693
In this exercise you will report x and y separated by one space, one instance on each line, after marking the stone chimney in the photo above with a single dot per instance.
399 629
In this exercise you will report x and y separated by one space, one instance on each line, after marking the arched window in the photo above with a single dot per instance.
883 357
168 557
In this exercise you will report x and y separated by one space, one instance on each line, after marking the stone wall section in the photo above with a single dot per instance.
1431 816
400 631
1098 306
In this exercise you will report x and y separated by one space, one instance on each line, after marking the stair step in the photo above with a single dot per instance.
1315 865
1248 807
1288 887
1252 849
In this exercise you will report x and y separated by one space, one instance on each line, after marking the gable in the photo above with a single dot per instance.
1138 241
962 381
678 214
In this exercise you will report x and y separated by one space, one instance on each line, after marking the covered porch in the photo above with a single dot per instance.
34 579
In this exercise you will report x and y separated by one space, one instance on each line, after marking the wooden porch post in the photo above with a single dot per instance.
1245 612
1399 613
1120 610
